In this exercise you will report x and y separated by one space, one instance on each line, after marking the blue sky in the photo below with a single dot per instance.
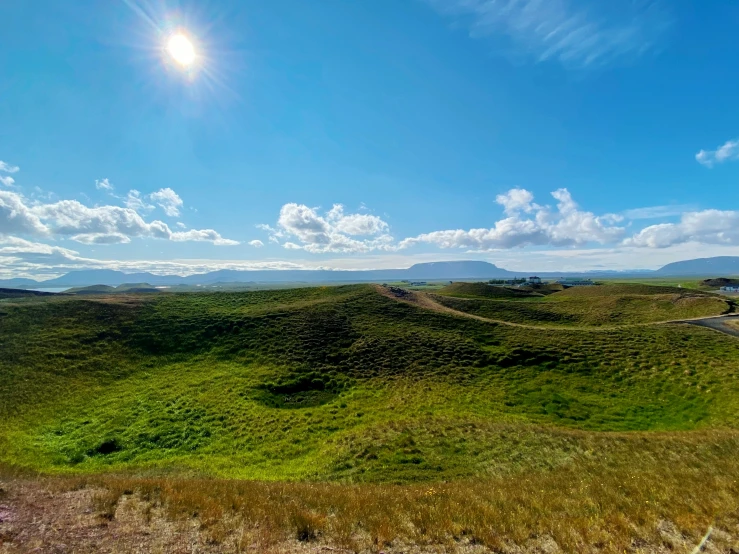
535 134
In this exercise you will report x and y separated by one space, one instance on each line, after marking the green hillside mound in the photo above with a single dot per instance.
136 288
128 288
484 290
621 289
338 383
22 293
546 289
92 289
581 307
719 282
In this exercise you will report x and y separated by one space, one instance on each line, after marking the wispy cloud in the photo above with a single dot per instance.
5 167
168 200
656 212
577 33
8 168
103 184
727 152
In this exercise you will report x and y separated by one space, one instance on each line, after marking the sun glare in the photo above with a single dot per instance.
181 49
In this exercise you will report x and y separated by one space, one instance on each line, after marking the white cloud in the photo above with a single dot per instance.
335 231
101 238
181 225
7 180
355 224
729 151
567 226
577 33
135 202
24 258
17 218
97 225
168 200
706 227
202 235
256 243
7 168
516 200
18 246
103 184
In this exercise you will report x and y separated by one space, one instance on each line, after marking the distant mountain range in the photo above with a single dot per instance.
433 271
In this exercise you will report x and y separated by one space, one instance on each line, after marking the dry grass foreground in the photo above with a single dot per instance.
663 507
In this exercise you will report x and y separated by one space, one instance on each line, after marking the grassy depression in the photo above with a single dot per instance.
342 383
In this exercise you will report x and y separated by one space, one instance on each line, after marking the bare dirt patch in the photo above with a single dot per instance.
42 516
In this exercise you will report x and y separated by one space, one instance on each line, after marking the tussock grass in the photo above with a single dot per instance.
332 384
484 290
359 421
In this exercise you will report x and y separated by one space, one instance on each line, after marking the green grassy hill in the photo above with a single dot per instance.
338 383
484 290
718 282
606 305
130 288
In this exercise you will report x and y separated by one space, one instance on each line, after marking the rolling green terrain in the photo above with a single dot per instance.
343 383
606 305
127 288
484 290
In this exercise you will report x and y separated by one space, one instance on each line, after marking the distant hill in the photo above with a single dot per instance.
20 293
720 265
18 283
431 271
456 270
106 289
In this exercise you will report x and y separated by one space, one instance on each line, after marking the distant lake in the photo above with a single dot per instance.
50 289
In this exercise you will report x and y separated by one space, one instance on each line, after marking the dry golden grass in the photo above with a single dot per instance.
644 499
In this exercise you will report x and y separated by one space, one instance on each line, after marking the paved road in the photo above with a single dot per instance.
719 324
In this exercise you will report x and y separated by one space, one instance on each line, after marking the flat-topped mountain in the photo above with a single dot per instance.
720 265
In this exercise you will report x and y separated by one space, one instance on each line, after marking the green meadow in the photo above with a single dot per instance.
345 384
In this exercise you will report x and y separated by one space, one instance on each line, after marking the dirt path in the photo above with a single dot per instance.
422 300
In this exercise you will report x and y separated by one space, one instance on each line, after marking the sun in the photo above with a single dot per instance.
181 49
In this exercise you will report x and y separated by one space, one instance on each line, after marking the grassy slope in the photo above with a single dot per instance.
340 383
483 290
598 306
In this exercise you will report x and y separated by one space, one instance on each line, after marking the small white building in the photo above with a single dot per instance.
534 280
730 288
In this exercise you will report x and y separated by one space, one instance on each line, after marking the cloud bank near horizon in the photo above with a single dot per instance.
35 234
